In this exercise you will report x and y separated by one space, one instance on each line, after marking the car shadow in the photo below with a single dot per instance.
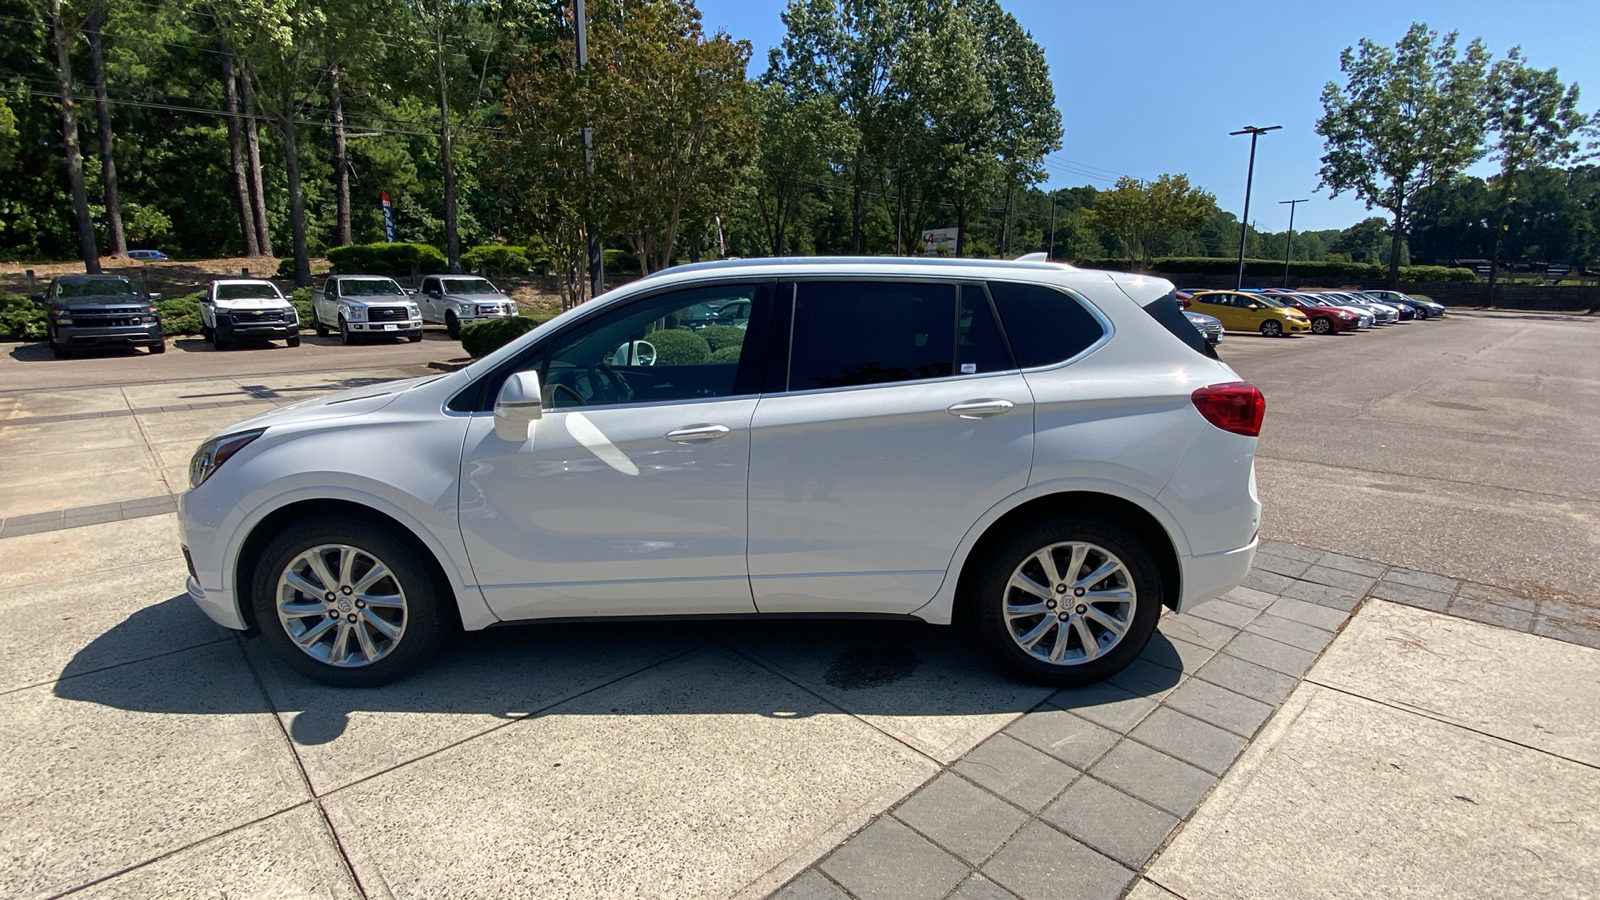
865 667
40 352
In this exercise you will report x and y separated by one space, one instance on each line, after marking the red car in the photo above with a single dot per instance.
1324 319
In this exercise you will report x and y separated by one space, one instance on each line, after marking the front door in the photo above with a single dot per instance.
629 497
900 420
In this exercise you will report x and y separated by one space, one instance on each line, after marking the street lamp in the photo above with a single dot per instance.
1289 244
1244 225
597 274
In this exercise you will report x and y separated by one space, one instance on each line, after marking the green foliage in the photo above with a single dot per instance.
1145 214
623 261
496 258
1437 273
720 336
730 353
479 339
1329 271
301 298
678 347
21 319
286 267
180 315
387 259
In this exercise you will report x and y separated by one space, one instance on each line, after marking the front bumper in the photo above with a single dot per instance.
117 336
229 328
1295 326
396 328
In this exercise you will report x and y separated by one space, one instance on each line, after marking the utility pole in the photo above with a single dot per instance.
1250 174
1289 244
1050 250
597 271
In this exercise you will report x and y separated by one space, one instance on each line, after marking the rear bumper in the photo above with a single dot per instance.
1213 574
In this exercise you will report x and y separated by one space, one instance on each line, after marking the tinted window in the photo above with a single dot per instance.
650 350
855 333
979 346
1044 325
369 287
1165 310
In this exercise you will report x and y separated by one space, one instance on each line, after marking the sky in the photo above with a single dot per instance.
1148 88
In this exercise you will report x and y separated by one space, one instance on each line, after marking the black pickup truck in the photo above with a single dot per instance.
100 311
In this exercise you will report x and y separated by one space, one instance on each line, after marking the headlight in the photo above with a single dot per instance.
414 310
355 313
216 451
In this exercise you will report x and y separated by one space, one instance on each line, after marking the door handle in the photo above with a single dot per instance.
980 409
697 433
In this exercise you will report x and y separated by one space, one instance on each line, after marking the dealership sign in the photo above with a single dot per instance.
937 241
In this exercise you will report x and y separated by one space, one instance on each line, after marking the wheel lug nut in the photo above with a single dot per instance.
1082 610
333 614
351 618
361 604
1078 592
345 590
1061 589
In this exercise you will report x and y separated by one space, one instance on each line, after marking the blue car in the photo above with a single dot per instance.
147 255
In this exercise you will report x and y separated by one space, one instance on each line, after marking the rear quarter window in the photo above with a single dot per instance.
1045 326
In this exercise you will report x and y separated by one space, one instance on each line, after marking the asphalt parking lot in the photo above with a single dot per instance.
1435 464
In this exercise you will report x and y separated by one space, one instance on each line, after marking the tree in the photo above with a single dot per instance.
1535 121
236 157
102 109
62 30
1408 118
1145 214
799 135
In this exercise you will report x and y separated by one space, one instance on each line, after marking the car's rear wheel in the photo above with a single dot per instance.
452 326
346 602
1067 601
1322 325
1272 328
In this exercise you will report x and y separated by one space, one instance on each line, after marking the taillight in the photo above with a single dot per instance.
1236 406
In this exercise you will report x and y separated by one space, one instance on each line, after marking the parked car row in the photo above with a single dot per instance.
1277 312
86 311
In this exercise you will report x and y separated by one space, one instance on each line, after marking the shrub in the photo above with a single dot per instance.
495 258
678 347
301 298
21 319
728 353
1437 273
720 336
621 261
480 339
286 267
180 315
386 259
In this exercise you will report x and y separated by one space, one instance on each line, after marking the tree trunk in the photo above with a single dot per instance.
961 229
341 168
1393 281
452 237
241 188
69 135
855 202
1499 233
1005 224
252 134
297 208
108 163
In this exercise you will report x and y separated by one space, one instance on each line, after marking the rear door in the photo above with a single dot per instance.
892 417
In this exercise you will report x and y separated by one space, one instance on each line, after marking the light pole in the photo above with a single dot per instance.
597 272
1250 174
1289 244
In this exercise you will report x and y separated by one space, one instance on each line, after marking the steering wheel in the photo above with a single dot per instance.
616 386
635 353
555 388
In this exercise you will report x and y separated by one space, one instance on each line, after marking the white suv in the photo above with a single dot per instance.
361 305
1042 454
457 300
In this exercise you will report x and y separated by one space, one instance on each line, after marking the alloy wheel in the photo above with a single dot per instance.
1271 328
341 605
1070 603
1321 326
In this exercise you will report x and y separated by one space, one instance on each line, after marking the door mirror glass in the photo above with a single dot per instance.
155 296
38 298
518 404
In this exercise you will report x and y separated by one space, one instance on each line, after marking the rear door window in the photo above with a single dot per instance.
1045 326
848 334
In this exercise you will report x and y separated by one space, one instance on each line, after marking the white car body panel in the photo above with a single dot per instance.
211 304
598 514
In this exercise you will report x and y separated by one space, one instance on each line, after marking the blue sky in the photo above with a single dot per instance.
1152 87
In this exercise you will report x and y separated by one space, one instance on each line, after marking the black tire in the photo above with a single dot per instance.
985 604
222 343
1322 325
414 336
1422 313
321 329
206 333
428 612
452 326
1272 328
292 341
344 332
58 351
159 346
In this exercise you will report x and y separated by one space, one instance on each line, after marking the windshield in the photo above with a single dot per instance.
369 287
97 287
257 291
469 286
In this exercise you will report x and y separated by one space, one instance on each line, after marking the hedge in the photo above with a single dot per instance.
496 258
722 336
301 298
21 319
621 261
676 347
387 259
729 353
1305 269
480 339
180 315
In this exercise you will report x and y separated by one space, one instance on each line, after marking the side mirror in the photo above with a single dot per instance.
154 296
1254 306
517 406
38 298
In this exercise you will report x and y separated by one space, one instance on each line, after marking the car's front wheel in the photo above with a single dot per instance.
344 332
452 326
346 603
1272 328
1067 601
1422 313
1322 325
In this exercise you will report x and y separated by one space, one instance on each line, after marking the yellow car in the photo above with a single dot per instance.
1250 312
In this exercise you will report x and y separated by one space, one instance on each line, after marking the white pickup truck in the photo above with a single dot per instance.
247 309
457 300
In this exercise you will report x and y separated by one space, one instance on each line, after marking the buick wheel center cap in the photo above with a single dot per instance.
344 604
